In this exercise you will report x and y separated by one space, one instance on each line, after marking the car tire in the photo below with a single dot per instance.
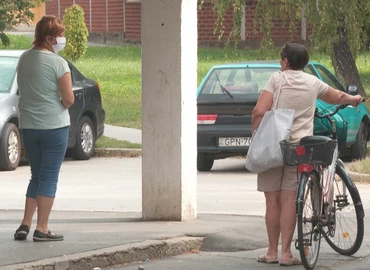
85 140
359 148
10 147
204 164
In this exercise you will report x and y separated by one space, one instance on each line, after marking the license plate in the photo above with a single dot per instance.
234 141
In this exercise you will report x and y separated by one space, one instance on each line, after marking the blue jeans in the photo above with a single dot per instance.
45 151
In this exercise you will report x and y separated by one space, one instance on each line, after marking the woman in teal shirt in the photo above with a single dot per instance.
45 88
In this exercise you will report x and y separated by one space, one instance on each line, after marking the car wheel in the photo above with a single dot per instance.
359 148
204 164
85 140
10 147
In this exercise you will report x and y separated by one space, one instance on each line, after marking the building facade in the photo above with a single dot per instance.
119 21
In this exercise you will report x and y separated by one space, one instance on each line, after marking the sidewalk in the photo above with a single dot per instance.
104 239
123 133
101 239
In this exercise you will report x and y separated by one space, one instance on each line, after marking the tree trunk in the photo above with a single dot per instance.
344 63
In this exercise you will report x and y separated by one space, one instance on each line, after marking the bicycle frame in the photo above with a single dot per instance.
328 175
326 178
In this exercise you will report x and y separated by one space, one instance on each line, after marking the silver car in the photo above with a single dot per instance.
87 114
10 143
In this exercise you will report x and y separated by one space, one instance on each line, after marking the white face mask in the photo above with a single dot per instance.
61 42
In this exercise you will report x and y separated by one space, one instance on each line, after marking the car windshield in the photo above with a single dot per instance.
8 66
240 82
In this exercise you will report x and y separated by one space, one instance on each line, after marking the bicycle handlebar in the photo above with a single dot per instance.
339 107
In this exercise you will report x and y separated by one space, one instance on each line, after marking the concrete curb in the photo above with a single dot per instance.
118 255
117 152
359 177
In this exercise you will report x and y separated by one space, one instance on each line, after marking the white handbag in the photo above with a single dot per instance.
264 153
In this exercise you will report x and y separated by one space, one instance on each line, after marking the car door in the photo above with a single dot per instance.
76 110
350 114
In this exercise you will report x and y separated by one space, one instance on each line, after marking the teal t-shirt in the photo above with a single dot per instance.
39 100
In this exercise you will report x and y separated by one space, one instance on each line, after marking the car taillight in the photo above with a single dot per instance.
207 119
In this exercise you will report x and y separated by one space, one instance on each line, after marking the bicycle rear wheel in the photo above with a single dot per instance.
309 219
345 230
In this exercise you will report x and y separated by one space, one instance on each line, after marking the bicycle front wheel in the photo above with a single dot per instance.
309 219
345 230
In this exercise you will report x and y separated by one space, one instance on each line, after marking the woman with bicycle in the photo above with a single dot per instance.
299 92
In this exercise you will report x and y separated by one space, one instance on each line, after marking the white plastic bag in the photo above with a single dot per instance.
264 153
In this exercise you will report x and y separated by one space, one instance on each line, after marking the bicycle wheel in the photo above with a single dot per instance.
309 223
345 230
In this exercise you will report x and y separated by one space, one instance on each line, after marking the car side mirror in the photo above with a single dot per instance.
352 90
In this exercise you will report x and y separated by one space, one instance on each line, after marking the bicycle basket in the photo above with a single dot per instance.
318 153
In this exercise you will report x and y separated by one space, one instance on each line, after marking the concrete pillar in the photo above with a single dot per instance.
169 82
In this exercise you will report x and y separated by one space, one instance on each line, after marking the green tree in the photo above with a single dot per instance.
14 13
76 32
338 27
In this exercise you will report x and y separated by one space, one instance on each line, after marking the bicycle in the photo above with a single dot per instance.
328 203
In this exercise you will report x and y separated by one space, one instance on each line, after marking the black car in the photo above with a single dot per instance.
87 114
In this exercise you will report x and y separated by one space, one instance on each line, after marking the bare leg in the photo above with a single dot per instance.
44 205
287 223
272 219
29 210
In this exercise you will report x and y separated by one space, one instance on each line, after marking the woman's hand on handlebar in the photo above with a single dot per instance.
356 100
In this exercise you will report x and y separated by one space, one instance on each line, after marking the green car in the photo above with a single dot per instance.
224 117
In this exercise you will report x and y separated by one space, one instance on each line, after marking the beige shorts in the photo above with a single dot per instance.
281 178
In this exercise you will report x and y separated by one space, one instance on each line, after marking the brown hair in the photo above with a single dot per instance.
296 54
47 26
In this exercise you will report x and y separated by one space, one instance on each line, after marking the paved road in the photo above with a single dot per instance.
114 184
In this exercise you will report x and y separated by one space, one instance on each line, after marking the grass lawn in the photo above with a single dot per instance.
118 71
361 166
106 142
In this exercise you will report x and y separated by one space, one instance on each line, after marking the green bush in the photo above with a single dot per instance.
76 32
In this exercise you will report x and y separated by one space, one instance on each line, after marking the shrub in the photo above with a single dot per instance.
76 32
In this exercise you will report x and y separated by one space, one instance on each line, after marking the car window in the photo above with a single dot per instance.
329 78
262 75
8 67
239 82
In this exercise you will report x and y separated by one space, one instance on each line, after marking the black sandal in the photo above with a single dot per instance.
42 237
22 232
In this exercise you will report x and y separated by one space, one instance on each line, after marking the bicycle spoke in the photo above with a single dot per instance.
345 233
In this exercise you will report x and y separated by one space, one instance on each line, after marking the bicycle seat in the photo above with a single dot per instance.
316 139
